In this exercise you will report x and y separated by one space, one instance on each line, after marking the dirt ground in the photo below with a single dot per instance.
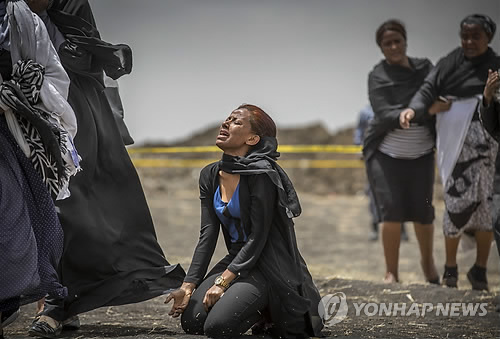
333 237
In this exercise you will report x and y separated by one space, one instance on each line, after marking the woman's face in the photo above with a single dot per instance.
474 40
393 46
235 134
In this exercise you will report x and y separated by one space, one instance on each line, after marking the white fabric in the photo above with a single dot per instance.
451 129
33 43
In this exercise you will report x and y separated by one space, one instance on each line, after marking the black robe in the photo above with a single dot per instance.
391 88
454 75
111 254
271 248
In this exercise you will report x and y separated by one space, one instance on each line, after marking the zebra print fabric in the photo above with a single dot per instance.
45 139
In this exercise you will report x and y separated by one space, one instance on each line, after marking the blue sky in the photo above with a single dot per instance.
302 61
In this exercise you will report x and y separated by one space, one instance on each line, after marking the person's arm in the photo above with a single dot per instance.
490 109
386 114
203 253
427 94
209 233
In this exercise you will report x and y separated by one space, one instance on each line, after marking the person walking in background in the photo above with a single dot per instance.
111 254
365 116
461 76
263 281
400 163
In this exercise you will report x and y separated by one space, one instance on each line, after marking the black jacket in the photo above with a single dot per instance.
391 88
271 248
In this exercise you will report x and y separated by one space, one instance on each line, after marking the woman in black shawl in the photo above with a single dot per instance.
462 74
111 254
395 157
251 199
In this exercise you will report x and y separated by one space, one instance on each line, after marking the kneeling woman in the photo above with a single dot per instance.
263 280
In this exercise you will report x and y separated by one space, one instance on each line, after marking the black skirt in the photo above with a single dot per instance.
402 188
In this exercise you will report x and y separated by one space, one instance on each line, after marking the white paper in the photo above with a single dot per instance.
451 129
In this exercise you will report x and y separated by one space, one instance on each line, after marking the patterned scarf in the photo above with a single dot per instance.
46 141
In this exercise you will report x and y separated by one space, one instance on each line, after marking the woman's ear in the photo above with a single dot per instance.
253 140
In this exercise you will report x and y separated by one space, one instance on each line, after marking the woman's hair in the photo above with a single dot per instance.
484 21
262 124
390 25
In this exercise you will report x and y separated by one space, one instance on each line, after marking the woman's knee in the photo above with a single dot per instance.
192 324
222 327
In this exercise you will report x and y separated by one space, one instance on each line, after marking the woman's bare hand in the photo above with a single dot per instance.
439 106
492 85
405 117
212 296
181 299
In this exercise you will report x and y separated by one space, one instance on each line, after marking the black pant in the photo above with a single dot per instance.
236 311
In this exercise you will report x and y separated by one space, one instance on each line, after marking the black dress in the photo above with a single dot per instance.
111 254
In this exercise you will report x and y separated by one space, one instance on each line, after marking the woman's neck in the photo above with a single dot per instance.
404 63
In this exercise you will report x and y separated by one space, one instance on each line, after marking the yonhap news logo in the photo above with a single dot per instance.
333 308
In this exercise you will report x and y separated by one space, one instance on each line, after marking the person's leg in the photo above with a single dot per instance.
477 274
391 236
425 238
239 308
450 275
194 316
48 323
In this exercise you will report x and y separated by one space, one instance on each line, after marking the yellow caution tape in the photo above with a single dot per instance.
199 163
343 149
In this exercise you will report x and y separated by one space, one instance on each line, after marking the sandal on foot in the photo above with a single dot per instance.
477 278
450 276
42 329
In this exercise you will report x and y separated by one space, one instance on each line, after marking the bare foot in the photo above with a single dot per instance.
390 278
430 271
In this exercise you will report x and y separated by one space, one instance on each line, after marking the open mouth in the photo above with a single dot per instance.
223 133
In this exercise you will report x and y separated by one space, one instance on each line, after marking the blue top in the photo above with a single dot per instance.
365 116
229 215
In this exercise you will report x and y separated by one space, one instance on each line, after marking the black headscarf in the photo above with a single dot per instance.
482 20
262 159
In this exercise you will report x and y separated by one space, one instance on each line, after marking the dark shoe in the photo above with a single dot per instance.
71 324
450 276
477 278
373 236
44 330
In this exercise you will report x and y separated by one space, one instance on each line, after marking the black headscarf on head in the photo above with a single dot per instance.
482 20
262 159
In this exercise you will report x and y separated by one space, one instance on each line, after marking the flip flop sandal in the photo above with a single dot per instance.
44 330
